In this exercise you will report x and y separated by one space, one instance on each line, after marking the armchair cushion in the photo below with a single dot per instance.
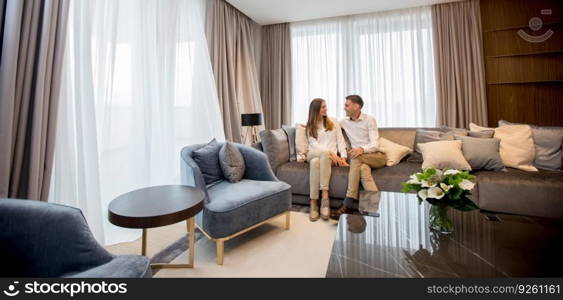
207 158
233 207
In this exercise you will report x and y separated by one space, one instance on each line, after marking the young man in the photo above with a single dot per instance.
361 130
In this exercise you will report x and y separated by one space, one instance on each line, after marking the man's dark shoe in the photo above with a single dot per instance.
335 215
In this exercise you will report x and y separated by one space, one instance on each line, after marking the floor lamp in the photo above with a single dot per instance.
252 120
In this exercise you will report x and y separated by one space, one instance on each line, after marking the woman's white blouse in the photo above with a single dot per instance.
329 140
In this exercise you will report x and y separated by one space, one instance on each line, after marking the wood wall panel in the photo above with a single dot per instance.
527 103
503 14
524 80
505 43
529 68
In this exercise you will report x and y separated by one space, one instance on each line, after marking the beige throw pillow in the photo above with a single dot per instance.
301 143
516 146
443 155
393 151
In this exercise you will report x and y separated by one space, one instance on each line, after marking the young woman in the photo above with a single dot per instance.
325 141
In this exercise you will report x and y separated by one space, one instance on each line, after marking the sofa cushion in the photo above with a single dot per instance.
443 155
401 136
481 153
426 136
232 207
516 147
207 158
290 132
520 192
387 178
393 152
276 146
232 162
301 143
547 141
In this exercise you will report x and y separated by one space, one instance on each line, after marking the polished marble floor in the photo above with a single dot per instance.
399 243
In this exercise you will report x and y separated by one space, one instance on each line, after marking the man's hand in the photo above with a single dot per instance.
355 152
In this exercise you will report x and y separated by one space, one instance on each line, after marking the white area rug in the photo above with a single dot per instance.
267 251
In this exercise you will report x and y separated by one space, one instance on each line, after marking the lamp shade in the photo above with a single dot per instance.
251 119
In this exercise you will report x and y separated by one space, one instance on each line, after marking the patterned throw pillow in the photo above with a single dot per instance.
232 162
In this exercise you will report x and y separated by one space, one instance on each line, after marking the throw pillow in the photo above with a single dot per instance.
454 130
426 136
443 155
516 146
547 142
485 134
232 162
393 151
481 153
301 143
475 127
290 131
207 158
276 146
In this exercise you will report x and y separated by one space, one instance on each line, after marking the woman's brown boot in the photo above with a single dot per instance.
314 210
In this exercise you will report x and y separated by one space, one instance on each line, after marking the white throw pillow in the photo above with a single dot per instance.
517 146
301 143
443 155
393 151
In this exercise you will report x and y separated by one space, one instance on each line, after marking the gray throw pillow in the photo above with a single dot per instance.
232 162
426 136
276 146
547 142
454 130
290 132
481 153
207 158
485 134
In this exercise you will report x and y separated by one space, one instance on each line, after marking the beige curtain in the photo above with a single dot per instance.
33 38
275 82
460 68
231 39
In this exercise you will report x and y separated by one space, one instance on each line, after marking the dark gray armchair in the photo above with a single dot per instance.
39 239
231 209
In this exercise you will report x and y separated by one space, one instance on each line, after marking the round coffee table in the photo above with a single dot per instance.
159 206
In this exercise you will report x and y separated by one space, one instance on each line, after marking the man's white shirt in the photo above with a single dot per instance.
362 132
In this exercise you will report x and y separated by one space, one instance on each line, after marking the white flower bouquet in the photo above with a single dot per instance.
443 189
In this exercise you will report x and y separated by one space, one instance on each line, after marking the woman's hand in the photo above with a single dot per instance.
335 159
339 161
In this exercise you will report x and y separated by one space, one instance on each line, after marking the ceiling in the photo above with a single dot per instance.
266 12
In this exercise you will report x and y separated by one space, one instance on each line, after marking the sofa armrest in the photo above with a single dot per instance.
257 164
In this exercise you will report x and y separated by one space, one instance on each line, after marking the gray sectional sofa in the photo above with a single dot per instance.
511 191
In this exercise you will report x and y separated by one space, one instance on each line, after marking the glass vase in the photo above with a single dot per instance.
439 220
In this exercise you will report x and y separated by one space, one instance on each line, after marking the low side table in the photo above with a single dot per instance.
159 206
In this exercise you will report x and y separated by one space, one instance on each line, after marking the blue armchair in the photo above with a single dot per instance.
39 239
231 209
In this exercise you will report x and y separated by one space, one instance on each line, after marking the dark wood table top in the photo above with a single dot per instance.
399 243
155 206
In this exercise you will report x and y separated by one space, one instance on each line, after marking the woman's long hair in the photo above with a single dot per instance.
314 115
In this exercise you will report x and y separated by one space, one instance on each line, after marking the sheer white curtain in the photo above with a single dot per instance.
138 87
385 57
